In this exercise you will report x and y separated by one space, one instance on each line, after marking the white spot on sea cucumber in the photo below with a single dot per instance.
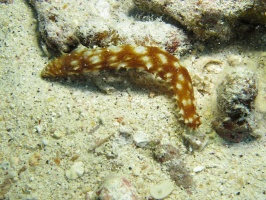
94 59
168 74
159 69
74 62
181 77
140 50
189 86
176 64
115 49
97 51
184 102
163 58
148 65
112 58
188 102
122 64
179 86
76 67
86 54
97 66
145 58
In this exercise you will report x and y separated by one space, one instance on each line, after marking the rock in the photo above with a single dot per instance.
232 131
75 171
116 187
236 94
210 18
64 25
235 99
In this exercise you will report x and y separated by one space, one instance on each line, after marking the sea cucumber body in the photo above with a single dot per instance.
147 58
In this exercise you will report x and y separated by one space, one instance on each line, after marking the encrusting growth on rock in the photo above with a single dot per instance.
151 59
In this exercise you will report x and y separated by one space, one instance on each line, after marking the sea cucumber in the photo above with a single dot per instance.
152 59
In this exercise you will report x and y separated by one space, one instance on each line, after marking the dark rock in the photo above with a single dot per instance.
231 130
235 98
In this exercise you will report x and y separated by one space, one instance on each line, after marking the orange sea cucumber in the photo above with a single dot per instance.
154 60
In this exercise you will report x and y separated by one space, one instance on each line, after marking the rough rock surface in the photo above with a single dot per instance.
235 98
103 23
221 19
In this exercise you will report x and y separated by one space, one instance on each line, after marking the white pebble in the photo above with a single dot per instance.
198 169
58 134
125 130
162 190
44 142
12 106
75 171
38 129
141 139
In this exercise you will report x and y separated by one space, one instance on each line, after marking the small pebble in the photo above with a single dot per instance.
126 133
198 169
12 106
38 129
44 141
141 139
75 171
58 134
125 130
162 190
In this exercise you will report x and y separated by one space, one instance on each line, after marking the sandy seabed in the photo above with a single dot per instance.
46 127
